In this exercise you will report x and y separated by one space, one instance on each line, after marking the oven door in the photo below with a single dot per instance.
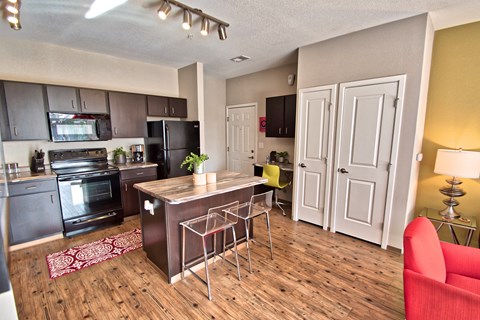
90 200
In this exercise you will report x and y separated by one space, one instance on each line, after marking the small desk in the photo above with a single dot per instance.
434 216
288 167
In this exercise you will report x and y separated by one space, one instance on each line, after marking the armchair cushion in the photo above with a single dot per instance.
461 260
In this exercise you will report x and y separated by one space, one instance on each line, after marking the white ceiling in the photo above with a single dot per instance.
268 31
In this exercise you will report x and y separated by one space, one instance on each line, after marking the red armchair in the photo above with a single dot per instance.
441 280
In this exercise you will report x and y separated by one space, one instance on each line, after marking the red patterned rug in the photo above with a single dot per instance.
76 258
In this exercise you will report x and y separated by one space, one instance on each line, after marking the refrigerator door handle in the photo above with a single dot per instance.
167 162
167 133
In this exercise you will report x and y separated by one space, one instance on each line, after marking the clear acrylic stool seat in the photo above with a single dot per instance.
259 205
217 220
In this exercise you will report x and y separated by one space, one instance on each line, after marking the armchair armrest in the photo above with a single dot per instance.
430 299
461 260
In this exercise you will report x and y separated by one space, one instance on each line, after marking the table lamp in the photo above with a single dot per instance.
458 164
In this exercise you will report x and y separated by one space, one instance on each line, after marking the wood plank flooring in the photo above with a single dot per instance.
314 275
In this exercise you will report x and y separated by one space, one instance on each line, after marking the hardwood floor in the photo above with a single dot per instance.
314 275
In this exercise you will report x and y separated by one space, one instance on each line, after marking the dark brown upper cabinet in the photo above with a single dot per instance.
128 112
26 111
69 99
166 107
280 114
93 101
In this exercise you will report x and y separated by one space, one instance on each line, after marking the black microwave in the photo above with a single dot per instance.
79 127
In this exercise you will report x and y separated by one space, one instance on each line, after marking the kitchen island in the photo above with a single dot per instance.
177 199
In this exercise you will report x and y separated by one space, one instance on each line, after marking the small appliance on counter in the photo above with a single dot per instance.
137 152
37 164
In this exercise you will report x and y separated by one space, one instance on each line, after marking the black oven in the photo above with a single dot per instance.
89 189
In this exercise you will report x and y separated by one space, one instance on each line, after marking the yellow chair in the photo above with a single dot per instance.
272 173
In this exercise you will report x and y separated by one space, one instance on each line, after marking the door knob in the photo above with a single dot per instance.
302 165
250 157
342 170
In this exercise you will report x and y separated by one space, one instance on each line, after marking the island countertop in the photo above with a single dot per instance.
181 189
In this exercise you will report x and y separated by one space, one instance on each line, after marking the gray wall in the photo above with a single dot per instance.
214 119
390 49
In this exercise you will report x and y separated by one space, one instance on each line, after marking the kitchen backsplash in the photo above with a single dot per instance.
22 151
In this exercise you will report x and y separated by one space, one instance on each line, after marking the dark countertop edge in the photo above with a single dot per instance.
133 166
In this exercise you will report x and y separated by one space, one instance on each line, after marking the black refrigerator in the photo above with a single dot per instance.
169 142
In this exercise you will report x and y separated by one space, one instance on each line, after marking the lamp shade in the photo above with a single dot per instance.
458 163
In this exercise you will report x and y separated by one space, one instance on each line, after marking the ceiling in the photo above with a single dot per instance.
268 31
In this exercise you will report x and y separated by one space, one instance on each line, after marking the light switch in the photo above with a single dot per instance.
260 145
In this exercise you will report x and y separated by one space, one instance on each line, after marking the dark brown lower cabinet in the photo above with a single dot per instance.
34 210
128 178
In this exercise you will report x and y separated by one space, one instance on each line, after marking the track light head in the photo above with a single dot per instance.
164 10
222 32
205 26
187 20
12 9
13 19
16 26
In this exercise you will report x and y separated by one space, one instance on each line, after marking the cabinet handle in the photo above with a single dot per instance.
15 131
115 130
173 110
126 187
51 198
73 107
31 187
165 110
279 130
84 105
140 173
286 130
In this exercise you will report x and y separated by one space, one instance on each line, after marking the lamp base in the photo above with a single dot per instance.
449 212
453 191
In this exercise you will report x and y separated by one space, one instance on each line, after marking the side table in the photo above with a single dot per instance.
434 216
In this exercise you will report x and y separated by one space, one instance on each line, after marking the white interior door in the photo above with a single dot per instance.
365 152
314 155
241 138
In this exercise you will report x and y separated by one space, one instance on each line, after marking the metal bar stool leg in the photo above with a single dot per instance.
278 203
247 237
235 248
206 267
183 252
269 235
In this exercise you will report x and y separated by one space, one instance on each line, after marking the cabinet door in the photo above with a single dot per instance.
130 202
274 115
93 101
4 126
62 99
26 111
34 216
157 106
290 114
178 107
128 113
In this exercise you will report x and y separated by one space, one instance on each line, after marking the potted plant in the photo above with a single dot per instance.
282 156
119 155
195 162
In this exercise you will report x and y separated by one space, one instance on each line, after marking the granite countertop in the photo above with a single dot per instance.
181 189
28 176
134 165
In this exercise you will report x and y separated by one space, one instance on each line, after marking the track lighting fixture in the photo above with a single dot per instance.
205 26
13 14
187 19
164 10
222 32
166 7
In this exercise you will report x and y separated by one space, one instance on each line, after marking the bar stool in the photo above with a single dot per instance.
259 205
217 220
272 173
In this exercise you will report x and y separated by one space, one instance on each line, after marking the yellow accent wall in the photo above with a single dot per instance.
453 116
